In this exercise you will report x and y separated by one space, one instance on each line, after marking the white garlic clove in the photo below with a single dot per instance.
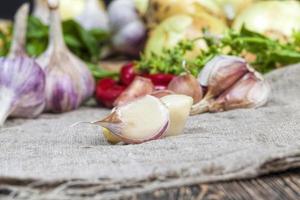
188 85
68 80
139 121
179 107
138 88
251 91
221 73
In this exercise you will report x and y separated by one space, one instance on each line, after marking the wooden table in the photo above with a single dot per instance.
279 186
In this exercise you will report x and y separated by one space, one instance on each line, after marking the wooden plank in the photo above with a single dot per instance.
279 186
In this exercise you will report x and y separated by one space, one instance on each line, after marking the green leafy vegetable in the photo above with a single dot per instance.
85 44
264 53
100 73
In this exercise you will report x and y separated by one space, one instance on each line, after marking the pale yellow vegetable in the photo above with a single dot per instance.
277 19
111 138
179 107
180 27
160 10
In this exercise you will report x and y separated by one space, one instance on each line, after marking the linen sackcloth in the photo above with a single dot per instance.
74 161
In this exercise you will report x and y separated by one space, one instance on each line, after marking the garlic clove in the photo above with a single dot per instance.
179 107
162 93
138 88
188 85
69 82
251 91
139 121
221 73
110 137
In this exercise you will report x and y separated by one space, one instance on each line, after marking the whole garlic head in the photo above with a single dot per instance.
68 80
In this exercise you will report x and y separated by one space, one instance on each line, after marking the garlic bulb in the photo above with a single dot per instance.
93 16
179 107
251 91
188 85
138 88
129 31
221 73
22 81
144 119
69 82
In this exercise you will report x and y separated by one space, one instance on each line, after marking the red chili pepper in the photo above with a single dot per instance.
127 74
107 91
160 79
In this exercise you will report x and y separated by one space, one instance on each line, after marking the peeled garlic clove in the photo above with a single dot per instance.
138 88
22 87
188 85
221 73
93 16
161 93
139 121
251 91
69 81
111 138
179 107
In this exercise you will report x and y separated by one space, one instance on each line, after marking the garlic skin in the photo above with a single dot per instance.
19 35
162 93
179 107
93 16
139 121
68 80
138 88
188 85
22 86
221 73
252 91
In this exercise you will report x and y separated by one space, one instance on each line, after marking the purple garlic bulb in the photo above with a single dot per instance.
68 80
22 87
22 80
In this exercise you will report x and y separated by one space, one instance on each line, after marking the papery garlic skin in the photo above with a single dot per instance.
221 73
179 107
22 86
68 80
138 88
251 91
188 85
162 93
139 121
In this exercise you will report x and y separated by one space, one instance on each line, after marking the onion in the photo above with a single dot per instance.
277 19
180 27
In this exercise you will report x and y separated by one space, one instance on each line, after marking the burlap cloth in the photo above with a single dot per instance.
48 159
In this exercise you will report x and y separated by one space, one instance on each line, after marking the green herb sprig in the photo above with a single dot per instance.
267 54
